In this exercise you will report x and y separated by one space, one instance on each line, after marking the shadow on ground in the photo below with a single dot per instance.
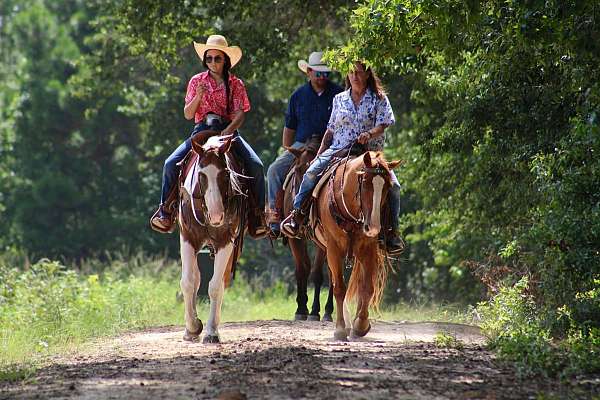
291 360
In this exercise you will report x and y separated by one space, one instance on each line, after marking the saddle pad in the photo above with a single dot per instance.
190 179
323 180
288 178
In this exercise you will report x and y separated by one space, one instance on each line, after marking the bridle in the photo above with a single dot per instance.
229 195
375 171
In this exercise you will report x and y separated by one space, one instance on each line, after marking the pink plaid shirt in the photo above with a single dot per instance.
214 96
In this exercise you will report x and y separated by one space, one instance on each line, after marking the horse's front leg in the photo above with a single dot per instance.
302 262
216 287
367 256
335 262
190 282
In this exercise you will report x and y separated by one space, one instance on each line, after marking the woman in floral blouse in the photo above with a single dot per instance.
216 99
360 114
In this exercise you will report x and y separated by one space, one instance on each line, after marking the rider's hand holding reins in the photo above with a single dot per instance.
364 137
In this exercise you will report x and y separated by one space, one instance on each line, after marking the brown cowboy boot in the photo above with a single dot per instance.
162 221
257 226
274 221
394 243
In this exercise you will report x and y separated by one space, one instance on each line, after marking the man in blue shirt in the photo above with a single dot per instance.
309 109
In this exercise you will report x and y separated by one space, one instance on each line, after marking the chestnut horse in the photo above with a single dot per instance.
349 209
298 246
211 211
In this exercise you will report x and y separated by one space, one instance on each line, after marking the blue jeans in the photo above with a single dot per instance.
312 175
277 172
241 149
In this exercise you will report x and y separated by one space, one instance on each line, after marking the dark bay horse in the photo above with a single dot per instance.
299 248
211 211
349 210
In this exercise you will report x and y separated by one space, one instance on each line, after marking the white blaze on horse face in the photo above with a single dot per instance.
374 221
212 196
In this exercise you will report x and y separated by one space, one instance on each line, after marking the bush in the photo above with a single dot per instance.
520 333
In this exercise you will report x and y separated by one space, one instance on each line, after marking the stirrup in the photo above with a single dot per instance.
287 224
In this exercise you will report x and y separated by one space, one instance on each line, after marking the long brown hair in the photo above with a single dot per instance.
373 81
226 69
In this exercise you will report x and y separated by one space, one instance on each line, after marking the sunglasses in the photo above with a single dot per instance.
324 74
215 59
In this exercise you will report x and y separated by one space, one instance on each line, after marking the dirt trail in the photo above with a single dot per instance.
289 360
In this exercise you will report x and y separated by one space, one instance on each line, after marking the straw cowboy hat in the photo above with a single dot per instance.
218 42
315 62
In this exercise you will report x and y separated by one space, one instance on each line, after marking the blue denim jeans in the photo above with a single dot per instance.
277 172
312 175
241 149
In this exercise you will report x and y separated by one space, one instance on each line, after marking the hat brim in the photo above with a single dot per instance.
303 65
234 52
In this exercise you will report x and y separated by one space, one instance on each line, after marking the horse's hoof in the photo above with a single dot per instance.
327 317
193 336
211 339
341 334
300 317
356 333
314 317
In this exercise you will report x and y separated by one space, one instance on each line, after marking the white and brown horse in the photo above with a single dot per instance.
211 211
349 210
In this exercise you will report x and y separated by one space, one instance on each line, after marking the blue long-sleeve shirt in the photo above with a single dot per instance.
308 113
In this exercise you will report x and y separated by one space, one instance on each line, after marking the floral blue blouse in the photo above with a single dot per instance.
348 122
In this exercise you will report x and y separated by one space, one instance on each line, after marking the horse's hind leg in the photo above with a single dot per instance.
317 278
190 282
302 262
216 287
329 304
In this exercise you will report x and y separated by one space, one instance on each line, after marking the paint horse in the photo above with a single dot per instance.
211 211
348 215
298 246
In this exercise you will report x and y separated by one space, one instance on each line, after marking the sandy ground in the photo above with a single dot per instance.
291 360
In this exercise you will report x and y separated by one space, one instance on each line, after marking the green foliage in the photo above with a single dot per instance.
49 307
512 322
447 340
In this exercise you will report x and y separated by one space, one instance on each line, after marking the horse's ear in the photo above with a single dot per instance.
367 160
295 152
197 146
395 164
224 148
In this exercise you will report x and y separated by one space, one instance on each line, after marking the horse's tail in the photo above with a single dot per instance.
378 278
